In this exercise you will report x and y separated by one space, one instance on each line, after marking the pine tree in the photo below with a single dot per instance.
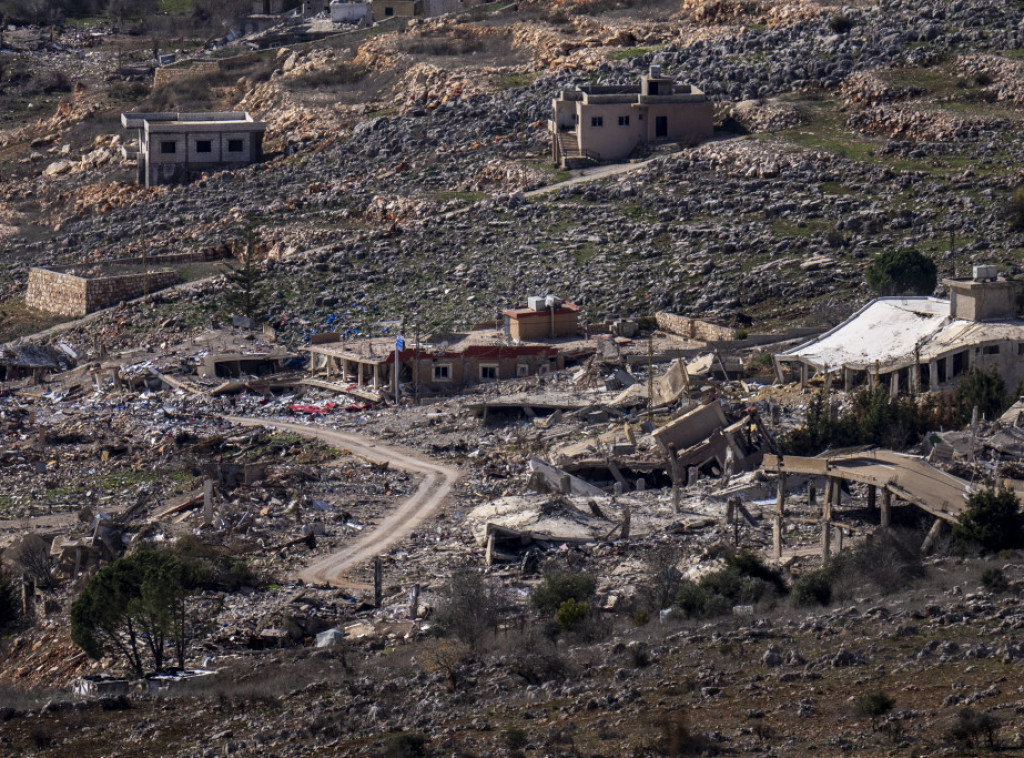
244 292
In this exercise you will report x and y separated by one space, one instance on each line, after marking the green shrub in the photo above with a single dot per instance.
697 601
571 614
994 580
874 705
993 521
406 745
744 580
641 618
516 739
558 587
1015 210
813 588
874 417
900 272
984 390
840 23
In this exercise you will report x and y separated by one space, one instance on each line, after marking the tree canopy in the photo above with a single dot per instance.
136 608
901 272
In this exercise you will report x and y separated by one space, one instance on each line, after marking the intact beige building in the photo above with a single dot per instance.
383 9
177 147
607 123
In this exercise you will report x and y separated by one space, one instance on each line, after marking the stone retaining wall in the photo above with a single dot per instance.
70 295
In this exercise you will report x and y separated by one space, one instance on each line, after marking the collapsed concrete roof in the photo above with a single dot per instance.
894 332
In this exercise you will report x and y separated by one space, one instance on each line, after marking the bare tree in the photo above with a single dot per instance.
32 556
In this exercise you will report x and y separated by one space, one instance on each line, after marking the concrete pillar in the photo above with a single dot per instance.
692 474
414 602
777 538
933 375
359 374
831 489
812 494
894 383
886 508
564 484
626 517
376 375
617 488
641 484
847 380
803 376
837 492
780 498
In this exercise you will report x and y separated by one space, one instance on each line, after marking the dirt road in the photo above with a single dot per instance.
435 486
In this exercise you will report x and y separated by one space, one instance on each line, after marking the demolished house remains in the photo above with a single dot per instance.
177 147
913 344
608 122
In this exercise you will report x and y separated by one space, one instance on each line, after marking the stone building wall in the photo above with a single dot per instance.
69 295
56 292
692 328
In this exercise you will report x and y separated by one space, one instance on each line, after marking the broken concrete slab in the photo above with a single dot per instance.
556 480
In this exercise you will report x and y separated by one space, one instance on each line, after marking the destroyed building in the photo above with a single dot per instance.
177 147
439 364
913 344
609 122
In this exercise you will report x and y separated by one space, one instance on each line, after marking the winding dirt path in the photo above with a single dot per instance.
435 486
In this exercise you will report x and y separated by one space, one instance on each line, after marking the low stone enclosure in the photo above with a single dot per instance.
81 289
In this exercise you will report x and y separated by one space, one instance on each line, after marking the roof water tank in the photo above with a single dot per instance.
552 301
536 303
982 273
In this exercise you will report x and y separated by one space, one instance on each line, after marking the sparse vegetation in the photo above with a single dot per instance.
470 606
972 729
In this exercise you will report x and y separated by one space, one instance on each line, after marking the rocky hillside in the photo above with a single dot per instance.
401 160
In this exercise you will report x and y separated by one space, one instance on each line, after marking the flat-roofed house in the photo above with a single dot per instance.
177 147
609 122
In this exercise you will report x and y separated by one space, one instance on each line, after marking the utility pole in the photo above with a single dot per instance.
650 378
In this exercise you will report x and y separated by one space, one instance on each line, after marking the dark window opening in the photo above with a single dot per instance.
652 88
597 121
234 145
661 126
942 370
623 120
204 146
389 11
488 372
442 371
960 363
990 350
168 148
